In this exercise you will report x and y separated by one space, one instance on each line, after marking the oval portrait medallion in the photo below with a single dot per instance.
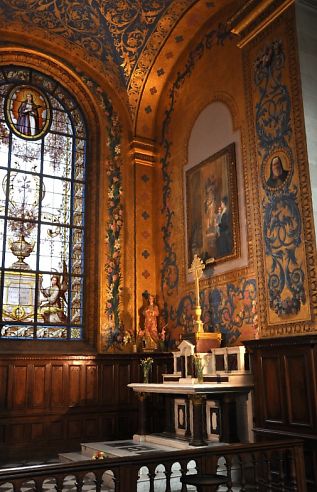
28 112
277 170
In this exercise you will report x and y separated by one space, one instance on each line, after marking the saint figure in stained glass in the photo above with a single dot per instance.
52 308
28 112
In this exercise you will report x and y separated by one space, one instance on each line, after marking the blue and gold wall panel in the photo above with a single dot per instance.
285 240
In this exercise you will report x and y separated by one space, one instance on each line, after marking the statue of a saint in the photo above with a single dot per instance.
148 331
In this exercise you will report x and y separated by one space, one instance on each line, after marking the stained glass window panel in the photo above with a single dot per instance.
26 155
54 245
42 193
21 243
56 200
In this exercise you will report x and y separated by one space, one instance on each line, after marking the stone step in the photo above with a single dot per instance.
69 457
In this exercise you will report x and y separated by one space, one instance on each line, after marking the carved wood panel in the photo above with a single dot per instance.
285 387
51 404
274 411
299 390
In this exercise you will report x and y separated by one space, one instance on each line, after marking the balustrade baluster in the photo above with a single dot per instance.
255 473
183 471
242 465
79 483
98 481
267 461
38 485
282 464
151 476
59 484
168 474
228 464
291 467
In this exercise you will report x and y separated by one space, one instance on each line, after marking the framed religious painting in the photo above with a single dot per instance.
212 216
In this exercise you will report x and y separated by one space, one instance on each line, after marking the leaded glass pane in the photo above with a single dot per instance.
21 74
42 193
61 123
56 200
1 237
79 124
54 245
4 142
58 152
26 155
3 190
21 245
23 196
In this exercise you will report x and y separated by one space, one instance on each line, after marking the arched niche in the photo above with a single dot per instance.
214 130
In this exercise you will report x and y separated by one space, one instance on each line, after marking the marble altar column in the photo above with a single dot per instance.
199 420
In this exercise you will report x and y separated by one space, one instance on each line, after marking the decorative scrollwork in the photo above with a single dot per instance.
273 124
282 234
282 221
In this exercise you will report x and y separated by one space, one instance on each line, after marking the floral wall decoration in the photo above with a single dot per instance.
282 222
169 268
114 331
230 310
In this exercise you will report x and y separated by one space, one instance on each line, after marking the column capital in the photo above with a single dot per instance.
143 151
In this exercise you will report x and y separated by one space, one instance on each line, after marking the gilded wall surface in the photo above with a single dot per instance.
228 300
124 78
259 83
286 245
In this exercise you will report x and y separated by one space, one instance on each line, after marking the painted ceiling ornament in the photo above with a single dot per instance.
113 32
28 112
130 24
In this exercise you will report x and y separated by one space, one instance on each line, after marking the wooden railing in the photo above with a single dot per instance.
275 466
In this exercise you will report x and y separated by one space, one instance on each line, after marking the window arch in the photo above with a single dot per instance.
42 189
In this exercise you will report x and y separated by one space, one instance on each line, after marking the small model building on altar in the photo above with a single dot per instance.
226 364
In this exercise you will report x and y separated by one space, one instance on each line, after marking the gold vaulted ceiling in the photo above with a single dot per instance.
134 44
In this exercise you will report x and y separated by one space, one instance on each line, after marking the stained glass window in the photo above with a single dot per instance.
42 190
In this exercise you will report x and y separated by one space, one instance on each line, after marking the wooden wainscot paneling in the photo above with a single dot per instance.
92 428
51 404
91 378
74 384
55 430
108 383
19 387
274 405
57 385
75 428
285 388
38 380
123 379
300 391
37 431
4 374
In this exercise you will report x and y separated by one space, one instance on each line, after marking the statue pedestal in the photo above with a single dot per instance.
203 341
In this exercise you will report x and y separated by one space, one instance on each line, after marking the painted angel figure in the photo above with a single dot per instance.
53 305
